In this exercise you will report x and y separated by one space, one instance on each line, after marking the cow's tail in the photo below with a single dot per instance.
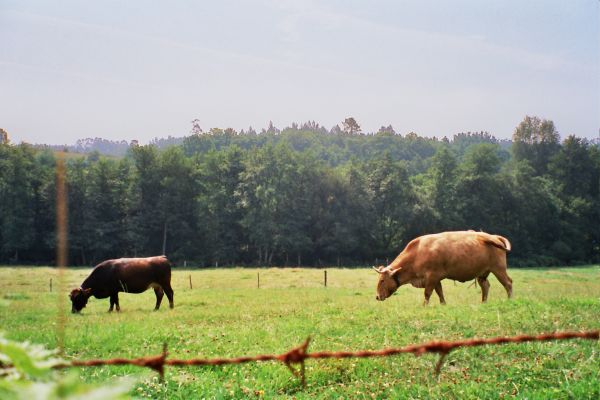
498 241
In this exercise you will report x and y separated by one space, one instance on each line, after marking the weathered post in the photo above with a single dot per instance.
50 284
325 278
258 280
190 281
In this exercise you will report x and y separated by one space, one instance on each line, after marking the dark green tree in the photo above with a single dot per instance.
18 200
392 201
145 220
105 211
177 203
350 126
481 194
219 211
443 175
80 235
536 141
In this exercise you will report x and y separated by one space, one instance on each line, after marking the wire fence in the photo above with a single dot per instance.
295 358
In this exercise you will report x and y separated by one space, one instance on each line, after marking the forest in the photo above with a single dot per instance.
306 195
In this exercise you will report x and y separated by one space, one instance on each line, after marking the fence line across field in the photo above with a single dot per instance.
298 355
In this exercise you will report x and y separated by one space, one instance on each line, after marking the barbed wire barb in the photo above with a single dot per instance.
438 366
296 356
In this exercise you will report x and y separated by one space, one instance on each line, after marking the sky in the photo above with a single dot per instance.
145 69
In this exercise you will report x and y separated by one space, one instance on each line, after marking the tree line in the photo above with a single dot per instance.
306 195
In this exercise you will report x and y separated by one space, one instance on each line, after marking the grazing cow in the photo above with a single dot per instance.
129 275
461 256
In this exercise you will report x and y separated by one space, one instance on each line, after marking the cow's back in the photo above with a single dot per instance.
137 274
460 255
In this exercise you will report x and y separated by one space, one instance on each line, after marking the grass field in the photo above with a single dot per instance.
226 315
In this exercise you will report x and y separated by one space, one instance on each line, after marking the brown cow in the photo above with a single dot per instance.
129 275
461 256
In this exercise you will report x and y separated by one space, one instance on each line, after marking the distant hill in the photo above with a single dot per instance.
115 148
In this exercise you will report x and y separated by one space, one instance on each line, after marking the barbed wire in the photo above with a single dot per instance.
298 355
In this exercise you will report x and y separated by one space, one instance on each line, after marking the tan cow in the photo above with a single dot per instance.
460 256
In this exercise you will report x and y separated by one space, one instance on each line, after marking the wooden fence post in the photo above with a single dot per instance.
258 280
325 278
190 281
50 284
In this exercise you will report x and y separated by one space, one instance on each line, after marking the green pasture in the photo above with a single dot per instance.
226 315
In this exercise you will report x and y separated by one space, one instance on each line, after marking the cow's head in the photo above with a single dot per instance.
79 298
387 284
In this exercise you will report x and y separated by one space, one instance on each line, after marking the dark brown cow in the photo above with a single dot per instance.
461 256
129 275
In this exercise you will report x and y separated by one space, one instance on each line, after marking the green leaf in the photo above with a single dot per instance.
69 388
20 359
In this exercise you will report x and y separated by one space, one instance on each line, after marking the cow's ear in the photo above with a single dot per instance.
87 291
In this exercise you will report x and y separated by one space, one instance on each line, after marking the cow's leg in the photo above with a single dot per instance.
440 292
159 296
505 280
429 286
169 293
114 301
485 287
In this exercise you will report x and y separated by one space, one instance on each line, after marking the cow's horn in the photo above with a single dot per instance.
377 269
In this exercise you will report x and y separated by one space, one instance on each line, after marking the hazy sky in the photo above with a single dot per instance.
145 69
